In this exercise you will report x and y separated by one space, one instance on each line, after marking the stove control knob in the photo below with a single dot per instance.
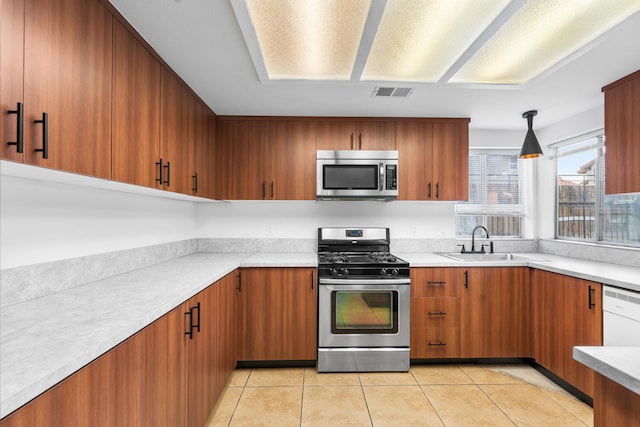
394 272
339 272
384 272
345 272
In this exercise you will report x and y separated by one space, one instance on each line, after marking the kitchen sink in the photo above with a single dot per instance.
486 257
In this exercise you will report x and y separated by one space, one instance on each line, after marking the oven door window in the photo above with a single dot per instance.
350 177
364 312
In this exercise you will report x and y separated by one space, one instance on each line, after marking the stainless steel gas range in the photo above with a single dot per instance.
363 302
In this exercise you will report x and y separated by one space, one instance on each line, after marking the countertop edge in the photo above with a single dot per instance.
606 361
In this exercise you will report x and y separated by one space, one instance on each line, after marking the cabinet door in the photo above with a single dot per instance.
413 139
68 75
277 314
376 135
336 135
199 134
622 129
242 148
227 342
450 160
176 134
437 282
104 393
566 312
136 111
495 318
164 371
11 74
209 154
292 160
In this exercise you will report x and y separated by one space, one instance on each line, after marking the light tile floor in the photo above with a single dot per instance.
428 395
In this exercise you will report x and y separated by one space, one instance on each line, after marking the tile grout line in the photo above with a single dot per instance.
494 402
235 408
366 404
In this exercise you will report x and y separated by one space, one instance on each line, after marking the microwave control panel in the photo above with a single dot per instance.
391 179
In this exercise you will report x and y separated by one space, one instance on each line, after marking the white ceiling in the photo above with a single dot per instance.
201 41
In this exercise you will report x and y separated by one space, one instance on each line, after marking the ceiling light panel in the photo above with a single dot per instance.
310 39
418 40
541 34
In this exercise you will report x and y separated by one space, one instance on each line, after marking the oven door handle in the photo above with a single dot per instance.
373 282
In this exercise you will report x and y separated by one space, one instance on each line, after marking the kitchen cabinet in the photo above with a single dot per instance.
435 312
265 159
622 132
103 393
433 156
277 314
158 377
207 182
136 111
11 77
67 75
356 135
566 312
469 312
614 405
495 313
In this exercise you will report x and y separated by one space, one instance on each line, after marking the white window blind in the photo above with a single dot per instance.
495 194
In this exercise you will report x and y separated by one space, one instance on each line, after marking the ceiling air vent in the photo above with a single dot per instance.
401 92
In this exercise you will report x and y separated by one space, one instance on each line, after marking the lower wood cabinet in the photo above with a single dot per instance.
277 314
566 312
158 377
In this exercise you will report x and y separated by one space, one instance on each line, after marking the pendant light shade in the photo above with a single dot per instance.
530 147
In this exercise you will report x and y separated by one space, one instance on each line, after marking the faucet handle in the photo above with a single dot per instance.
463 250
482 251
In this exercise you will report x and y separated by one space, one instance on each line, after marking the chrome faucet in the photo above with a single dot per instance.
473 240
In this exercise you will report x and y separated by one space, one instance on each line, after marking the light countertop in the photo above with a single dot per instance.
619 364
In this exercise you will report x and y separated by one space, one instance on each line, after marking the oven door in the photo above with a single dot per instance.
363 313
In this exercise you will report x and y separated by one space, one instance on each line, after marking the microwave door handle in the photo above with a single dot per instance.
381 180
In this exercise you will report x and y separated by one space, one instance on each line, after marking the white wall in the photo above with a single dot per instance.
45 221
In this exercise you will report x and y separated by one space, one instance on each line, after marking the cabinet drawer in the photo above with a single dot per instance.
435 312
435 343
437 282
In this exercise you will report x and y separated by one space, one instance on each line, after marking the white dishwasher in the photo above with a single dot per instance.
621 317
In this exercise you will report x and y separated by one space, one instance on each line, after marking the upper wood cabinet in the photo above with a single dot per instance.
277 314
622 132
356 135
265 160
566 312
11 77
433 159
136 111
67 50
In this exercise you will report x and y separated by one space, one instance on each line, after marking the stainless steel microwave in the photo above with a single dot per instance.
357 175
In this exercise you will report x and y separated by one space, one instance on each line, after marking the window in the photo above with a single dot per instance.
583 211
495 195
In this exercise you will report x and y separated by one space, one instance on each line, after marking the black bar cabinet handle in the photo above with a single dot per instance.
190 331
436 313
195 183
312 279
160 167
168 181
360 141
239 287
45 136
19 142
436 283
436 344
264 189
466 279
438 190
272 189
352 139
197 325
429 190
591 292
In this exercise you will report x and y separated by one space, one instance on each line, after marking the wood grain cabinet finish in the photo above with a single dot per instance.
566 312
614 405
67 57
495 313
433 159
265 159
356 135
277 314
622 131
136 111
103 393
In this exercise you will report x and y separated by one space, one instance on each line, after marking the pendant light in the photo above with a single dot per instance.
530 147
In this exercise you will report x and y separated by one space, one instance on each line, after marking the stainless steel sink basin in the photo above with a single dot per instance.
477 257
